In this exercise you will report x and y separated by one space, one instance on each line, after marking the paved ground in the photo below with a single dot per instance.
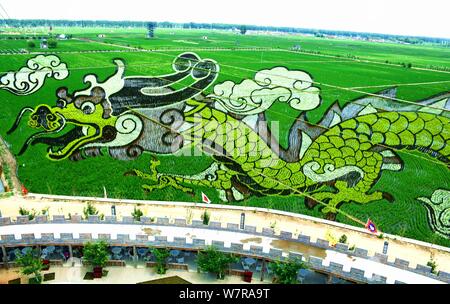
122 275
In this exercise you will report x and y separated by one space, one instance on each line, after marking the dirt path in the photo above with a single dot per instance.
105 43
7 160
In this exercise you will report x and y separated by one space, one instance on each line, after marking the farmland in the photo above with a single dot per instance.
338 77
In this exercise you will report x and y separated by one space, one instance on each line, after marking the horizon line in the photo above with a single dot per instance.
233 24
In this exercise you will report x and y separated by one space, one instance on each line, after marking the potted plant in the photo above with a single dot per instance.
212 260
205 217
45 264
137 214
30 264
161 255
286 272
96 254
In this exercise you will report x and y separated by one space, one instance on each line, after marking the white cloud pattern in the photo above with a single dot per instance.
31 77
278 84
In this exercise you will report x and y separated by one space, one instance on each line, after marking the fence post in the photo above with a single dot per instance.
5 257
135 257
70 253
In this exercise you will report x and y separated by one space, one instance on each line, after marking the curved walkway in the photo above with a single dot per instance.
392 274
413 251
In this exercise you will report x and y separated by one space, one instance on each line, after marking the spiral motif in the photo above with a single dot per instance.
185 62
127 123
203 69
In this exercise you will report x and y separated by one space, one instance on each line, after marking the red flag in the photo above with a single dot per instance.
205 199
24 190
371 226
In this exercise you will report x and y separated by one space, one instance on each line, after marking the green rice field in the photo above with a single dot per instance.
339 78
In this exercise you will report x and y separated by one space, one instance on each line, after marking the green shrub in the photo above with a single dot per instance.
89 210
161 255
212 260
343 239
52 43
431 263
30 263
136 214
205 218
287 272
31 44
96 253
31 214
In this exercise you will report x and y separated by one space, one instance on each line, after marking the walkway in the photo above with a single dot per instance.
124 275
391 273
415 252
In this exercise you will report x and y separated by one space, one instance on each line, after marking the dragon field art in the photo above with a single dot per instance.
359 158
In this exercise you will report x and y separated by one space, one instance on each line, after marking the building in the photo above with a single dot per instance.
44 44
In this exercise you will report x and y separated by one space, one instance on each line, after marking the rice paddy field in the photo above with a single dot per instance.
339 78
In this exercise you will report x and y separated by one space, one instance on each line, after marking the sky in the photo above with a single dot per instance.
402 17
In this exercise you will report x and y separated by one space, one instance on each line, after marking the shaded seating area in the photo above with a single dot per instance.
55 253
77 252
144 254
119 253
249 264
176 256
11 252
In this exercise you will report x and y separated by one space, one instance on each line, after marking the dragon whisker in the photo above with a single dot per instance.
18 119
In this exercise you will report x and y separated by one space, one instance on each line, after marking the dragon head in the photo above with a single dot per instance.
126 115
81 120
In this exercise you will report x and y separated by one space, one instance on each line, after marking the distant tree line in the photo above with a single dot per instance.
219 26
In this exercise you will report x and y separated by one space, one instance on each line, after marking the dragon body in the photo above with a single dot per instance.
350 156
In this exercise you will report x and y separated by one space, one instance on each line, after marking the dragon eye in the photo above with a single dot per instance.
88 107
61 103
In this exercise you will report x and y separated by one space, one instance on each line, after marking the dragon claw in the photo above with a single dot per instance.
389 197
331 201
130 173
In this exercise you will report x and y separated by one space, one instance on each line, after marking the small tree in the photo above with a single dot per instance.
31 214
212 260
136 214
432 263
89 210
243 29
30 263
96 253
205 218
343 239
161 255
52 43
31 44
286 272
